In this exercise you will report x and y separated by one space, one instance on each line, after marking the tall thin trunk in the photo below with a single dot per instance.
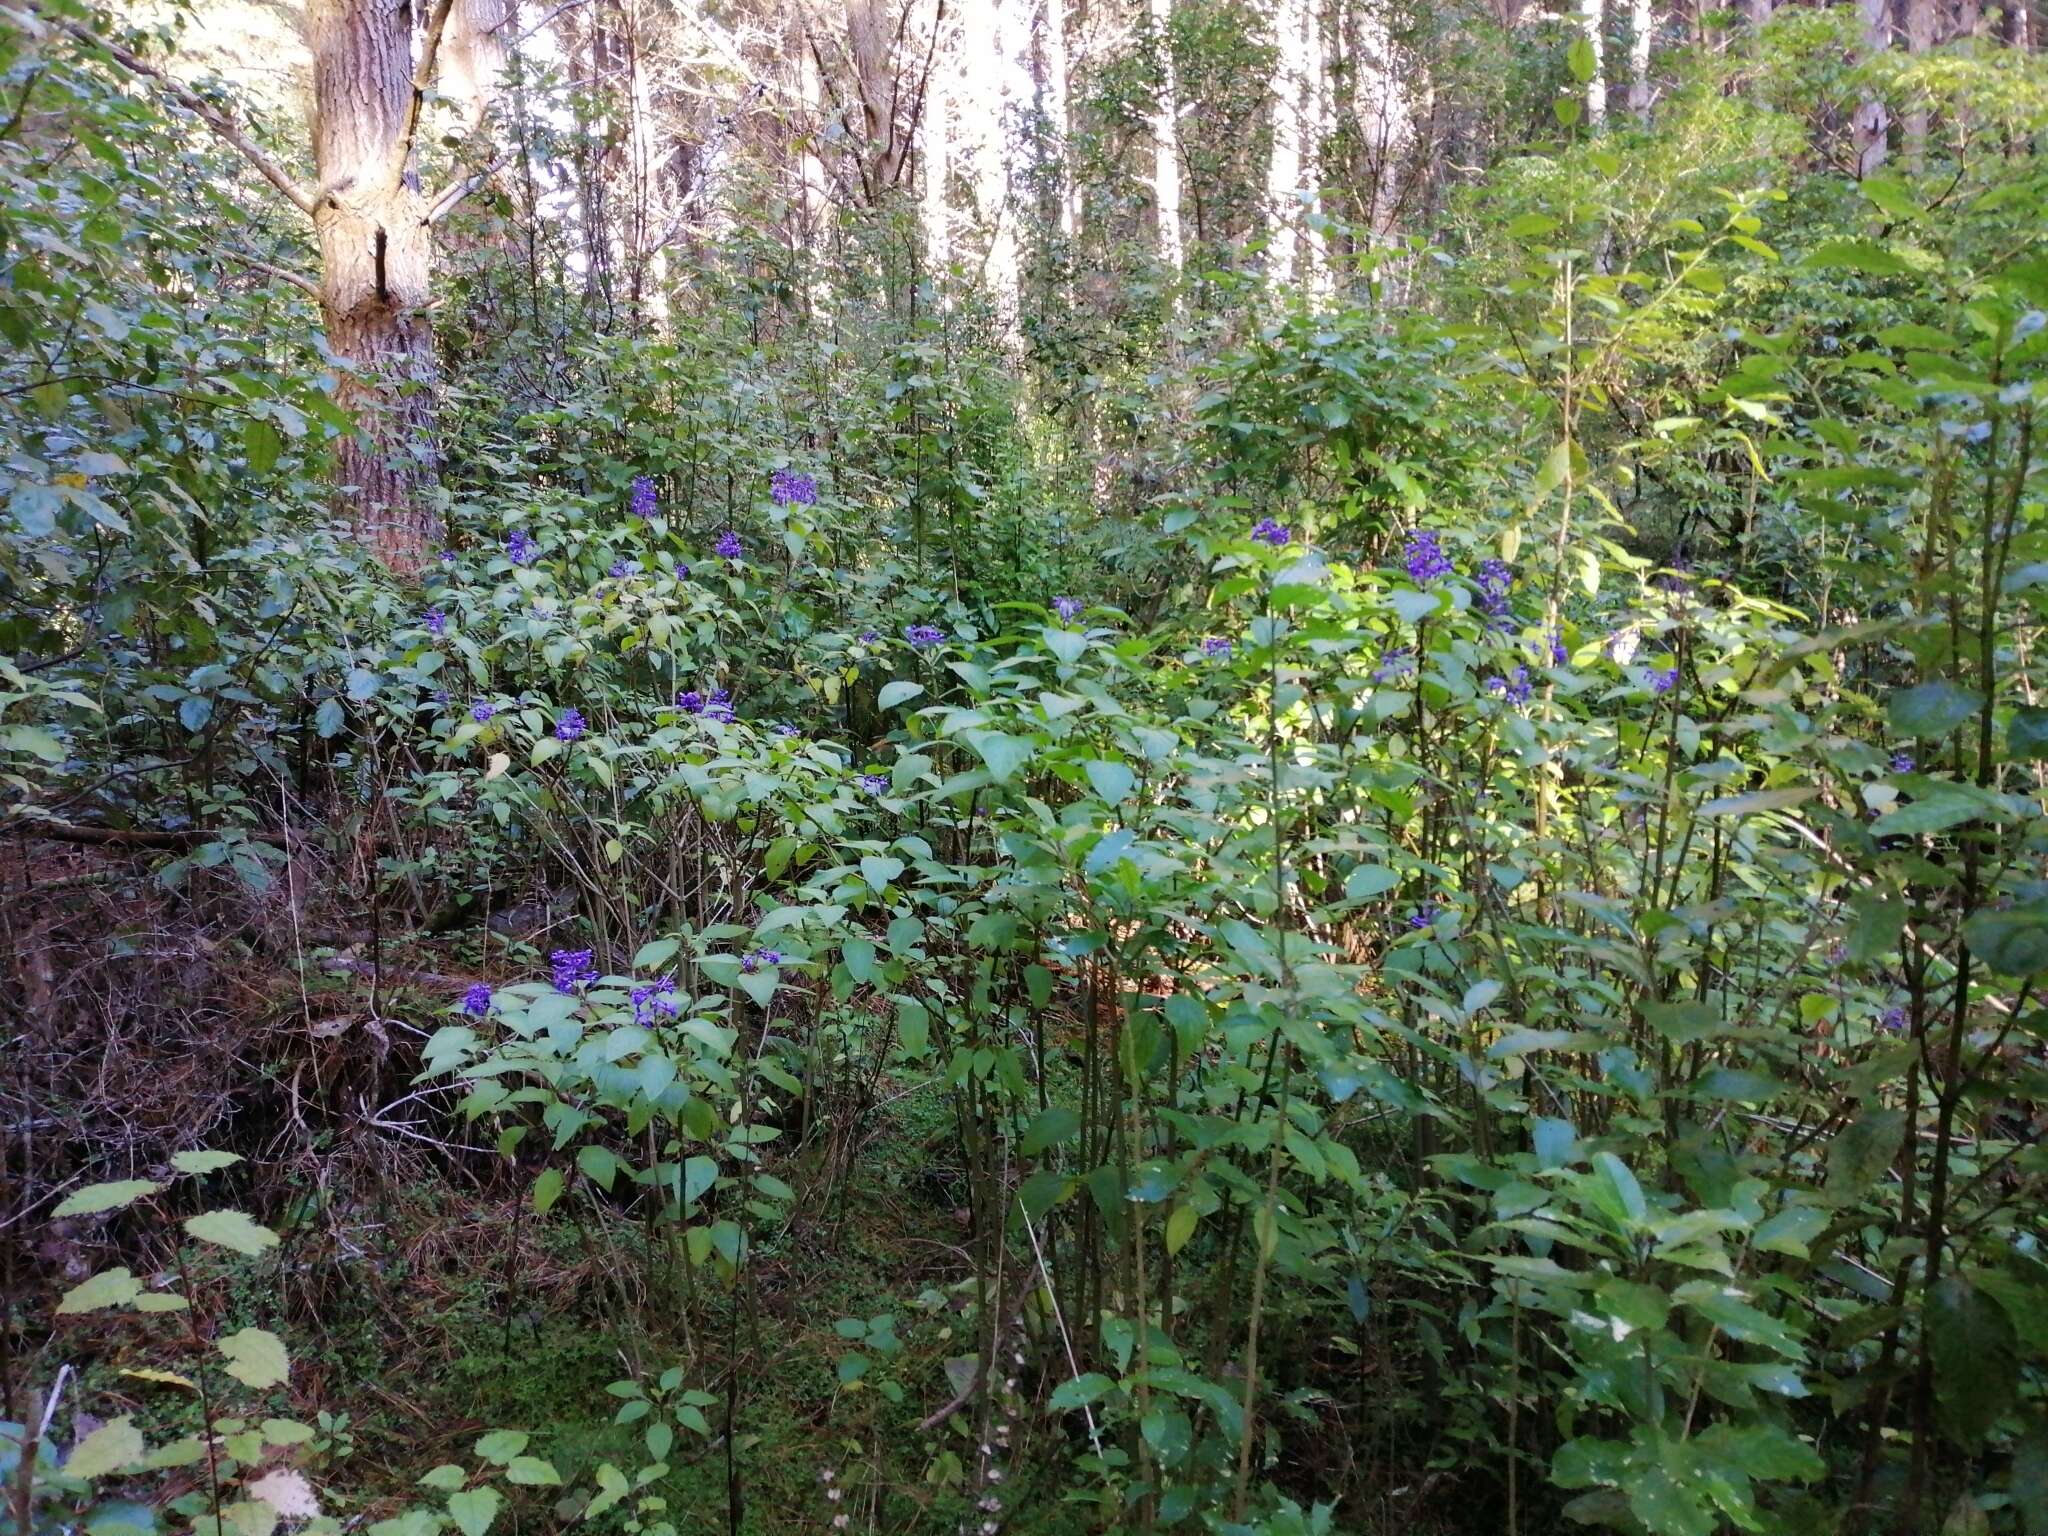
1315 140
985 89
1383 117
1642 32
1165 140
376 258
1283 168
1593 22
934 157
1871 126
1919 39
1058 125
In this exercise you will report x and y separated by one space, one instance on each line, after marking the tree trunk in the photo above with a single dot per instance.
934 156
984 78
1593 21
1642 32
1283 168
1165 140
1058 126
1919 39
376 256
473 57
1871 126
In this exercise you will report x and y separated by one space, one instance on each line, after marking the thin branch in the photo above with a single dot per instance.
202 109
298 280
451 196
430 53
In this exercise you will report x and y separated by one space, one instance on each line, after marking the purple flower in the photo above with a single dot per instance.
656 1001
482 710
682 571
1066 608
436 622
1494 580
573 969
728 546
1663 679
1425 558
619 570
719 706
440 695
570 726
923 637
1266 531
1893 1019
786 731
447 557
690 702
760 957
875 783
519 546
1216 648
1558 654
1394 665
868 637
476 1002
643 502
1514 689
1902 762
1423 916
788 488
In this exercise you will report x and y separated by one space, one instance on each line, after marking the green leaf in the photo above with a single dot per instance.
600 1165
1975 1354
2026 735
94 1198
114 1445
1615 1173
898 692
547 1189
1684 1022
1945 807
1110 781
532 1472
1180 1226
1052 1127
1862 1152
1004 754
445 1478
2029 1482
231 1229
699 1174
474 1509
878 870
1876 921
1932 709
108 1288
2013 942
1758 801
1864 256
500 1445
1664 1504
1079 1392
204 1162
256 1357
1581 60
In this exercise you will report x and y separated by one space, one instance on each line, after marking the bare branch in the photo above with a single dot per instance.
296 279
204 110
423 76
450 198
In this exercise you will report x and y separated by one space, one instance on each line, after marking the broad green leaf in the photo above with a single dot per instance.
474 1509
114 1445
499 1446
231 1229
95 1198
532 1472
1976 1357
204 1162
1003 753
256 1357
899 692
1111 781
108 1288
1932 709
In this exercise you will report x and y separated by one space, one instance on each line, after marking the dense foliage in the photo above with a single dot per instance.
1403 903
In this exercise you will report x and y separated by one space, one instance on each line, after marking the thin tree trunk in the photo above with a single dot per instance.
1165 140
1283 168
1058 126
1919 39
1593 22
474 56
376 257
1871 126
1642 32
984 93
934 156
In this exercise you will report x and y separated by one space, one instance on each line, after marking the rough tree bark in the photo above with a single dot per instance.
1871 127
376 264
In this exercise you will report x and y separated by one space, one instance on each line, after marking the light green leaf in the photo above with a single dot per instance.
95 1198
256 1357
108 1288
474 1509
204 1162
231 1229
532 1472
114 1445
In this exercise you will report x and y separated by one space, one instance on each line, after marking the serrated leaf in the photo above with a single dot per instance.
108 1288
204 1162
95 1198
532 1472
499 1446
231 1229
256 1357
114 1445
474 1509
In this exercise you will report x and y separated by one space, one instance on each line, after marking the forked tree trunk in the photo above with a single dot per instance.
376 262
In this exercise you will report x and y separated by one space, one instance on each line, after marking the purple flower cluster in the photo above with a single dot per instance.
1425 558
1514 689
1558 654
658 1001
1902 762
1068 608
786 731
1893 1019
1423 916
875 783
1663 679
1216 648
717 705
644 501
788 488
682 570
570 725
1395 664
476 1002
447 557
1495 579
728 546
482 710
520 548
923 637
436 622
620 568
1266 531
760 957
573 969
